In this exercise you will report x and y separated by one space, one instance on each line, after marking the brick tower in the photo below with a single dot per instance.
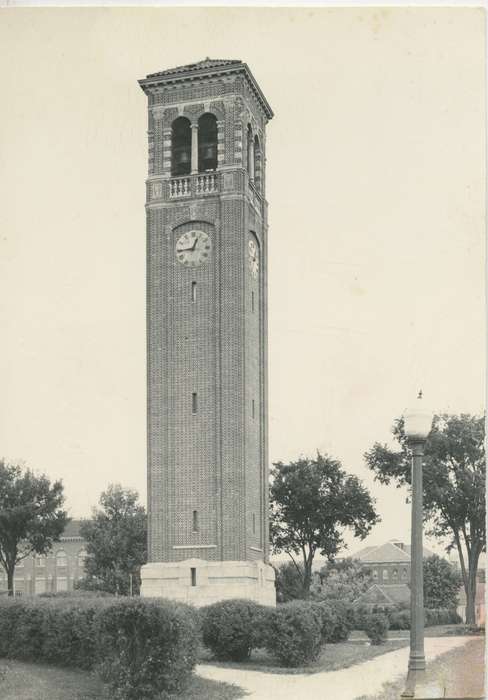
207 335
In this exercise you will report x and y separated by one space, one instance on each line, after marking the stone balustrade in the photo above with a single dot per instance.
187 186
206 183
180 187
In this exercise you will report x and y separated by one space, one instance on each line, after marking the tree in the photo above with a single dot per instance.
454 487
116 539
441 583
312 502
343 580
31 518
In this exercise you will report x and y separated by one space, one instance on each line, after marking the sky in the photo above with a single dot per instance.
376 190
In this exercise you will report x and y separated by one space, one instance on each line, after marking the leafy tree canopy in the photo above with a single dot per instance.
31 517
116 539
312 503
441 583
341 580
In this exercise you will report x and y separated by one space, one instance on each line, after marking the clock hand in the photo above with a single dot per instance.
182 250
196 241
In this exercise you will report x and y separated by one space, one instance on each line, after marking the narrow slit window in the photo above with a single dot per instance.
254 523
194 402
195 521
252 302
193 576
253 409
193 291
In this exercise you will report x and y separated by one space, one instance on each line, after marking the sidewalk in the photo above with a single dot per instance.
347 684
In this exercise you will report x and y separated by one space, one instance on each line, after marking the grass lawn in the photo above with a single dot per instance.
332 658
24 681
461 671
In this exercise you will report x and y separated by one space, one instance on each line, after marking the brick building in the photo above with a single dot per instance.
207 334
389 564
52 573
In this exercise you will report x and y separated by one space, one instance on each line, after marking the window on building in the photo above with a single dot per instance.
254 523
195 521
193 573
375 575
385 574
61 584
395 574
40 560
207 143
257 163
253 408
181 147
404 574
250 157
61 558
252 302
81 559
40 585
193 291
194 402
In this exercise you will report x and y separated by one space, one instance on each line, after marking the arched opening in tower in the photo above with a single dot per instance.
180 147
207 143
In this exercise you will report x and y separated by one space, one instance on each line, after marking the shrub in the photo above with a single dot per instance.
327 620
399 619
289 582
294 633
359 617
337 622
49 630
140 647
232 628
149 647
441 616
376 627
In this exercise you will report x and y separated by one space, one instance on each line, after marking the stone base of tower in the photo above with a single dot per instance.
201 582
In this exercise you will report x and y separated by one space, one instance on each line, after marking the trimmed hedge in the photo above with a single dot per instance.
139 647
149 647
441 617
294 633
400 619
50 631
232 628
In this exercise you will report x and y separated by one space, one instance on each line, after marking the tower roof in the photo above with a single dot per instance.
204 69
198 66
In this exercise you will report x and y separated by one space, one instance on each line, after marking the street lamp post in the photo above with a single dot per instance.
417 426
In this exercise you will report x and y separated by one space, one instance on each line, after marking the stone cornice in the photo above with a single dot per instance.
160 80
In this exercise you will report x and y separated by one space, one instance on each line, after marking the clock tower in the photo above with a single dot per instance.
207 335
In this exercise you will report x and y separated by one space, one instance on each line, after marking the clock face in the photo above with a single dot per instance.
193 248
253 259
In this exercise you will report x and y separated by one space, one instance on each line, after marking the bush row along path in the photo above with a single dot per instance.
346 684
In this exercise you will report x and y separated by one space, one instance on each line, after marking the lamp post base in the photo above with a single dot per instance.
418 687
